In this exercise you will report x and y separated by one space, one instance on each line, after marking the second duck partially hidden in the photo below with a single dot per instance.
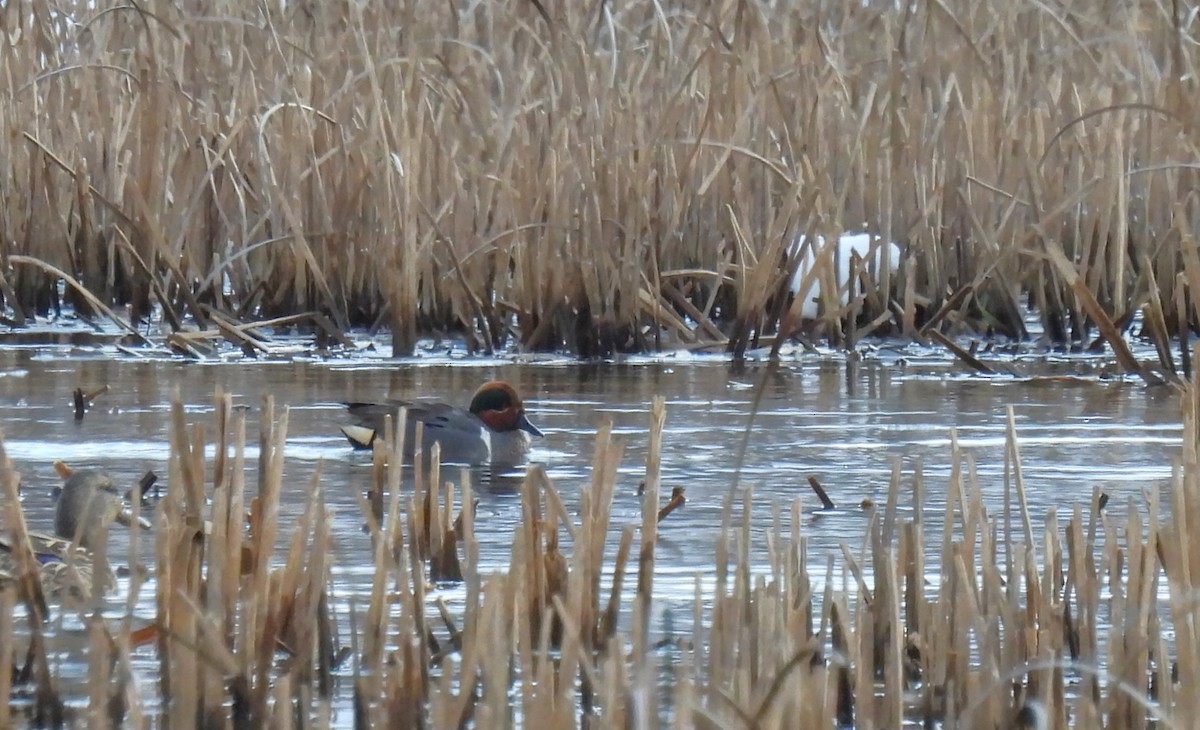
70 564
493 429
87 505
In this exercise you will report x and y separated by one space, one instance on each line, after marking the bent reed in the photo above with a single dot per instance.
964 616
600 177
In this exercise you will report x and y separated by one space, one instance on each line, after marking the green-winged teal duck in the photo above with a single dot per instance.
493 429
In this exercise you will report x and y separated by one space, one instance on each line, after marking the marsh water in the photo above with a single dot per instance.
844 422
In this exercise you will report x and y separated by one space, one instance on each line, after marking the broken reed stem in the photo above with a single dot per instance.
262 629
1013 459
819 490
676 501
100 661
645 583
7 652
29 587
48 706
177 558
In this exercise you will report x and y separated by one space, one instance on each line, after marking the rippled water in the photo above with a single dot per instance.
842 422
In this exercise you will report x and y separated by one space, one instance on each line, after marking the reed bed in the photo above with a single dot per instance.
600 177
966 616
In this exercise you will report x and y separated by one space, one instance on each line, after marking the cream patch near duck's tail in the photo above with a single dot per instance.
360 437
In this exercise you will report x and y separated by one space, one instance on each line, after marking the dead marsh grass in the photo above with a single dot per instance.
1085 613
599 178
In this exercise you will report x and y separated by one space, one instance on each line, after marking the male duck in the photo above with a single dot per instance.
493 429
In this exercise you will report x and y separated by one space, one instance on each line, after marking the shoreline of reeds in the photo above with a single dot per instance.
1062 609
598 179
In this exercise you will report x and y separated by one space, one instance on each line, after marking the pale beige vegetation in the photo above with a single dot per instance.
1092 615
601 176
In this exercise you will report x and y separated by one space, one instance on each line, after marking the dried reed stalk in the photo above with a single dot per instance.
7 651
449 192
875 641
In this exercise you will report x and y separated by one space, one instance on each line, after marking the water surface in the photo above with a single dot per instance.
842 422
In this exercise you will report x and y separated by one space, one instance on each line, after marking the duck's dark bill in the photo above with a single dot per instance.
524 424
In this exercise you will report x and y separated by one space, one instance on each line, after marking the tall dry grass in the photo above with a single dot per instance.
600 176
959 615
